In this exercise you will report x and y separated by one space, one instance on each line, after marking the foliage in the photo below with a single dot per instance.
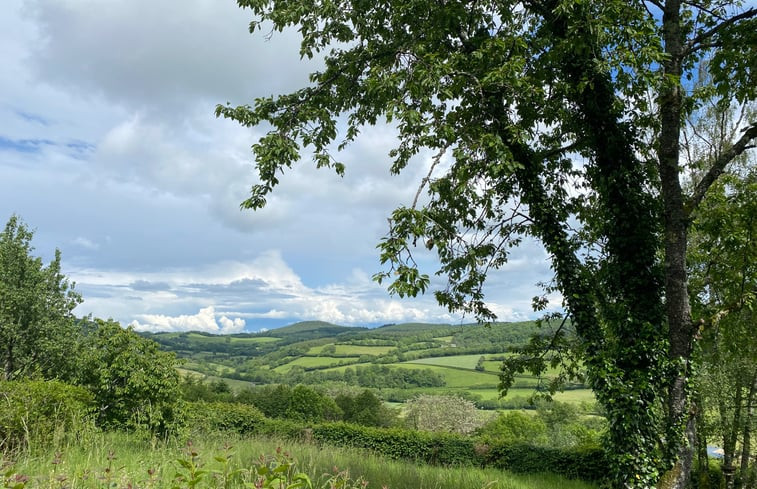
442 413
43 414
193 388
723 268
222 416
229 462
513 427
365 409
586 464
135 385
37 329
396 443
537 121
305 404
300 403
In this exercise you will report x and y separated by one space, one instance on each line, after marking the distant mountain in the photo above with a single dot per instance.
412 327
311 330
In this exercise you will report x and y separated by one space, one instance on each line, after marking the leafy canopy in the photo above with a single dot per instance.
557 119
36 309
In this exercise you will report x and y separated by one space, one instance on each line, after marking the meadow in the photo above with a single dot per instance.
227 461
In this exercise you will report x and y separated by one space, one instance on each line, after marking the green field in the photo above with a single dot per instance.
121 460
343 350
212 339
314 362
459 361
456 377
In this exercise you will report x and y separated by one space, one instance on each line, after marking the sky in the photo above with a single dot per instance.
110 151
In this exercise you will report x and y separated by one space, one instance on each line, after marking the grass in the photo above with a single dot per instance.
460 361
314 362
119 460
455 377
446 339
231 339
355 350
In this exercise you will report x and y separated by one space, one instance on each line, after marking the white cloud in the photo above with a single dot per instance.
126 169
86 243
204 320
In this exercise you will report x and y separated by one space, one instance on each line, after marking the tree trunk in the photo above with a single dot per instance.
746 445
8 367
730 437
681 331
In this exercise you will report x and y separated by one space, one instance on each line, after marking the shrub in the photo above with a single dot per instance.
586 464
42 413
223 416
135 385
443 413
431 448
514 427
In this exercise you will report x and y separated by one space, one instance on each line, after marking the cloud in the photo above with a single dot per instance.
204 321
110 149
161 56
86 243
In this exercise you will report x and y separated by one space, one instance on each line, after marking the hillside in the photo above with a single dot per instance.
402 360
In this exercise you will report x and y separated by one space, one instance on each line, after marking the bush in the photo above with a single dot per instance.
514 427
431 448
135 385
586 464
442 413
43 413
223 416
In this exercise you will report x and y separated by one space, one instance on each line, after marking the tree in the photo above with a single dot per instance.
36 309
512 427
365 409
723 263
442 413
135 385
555 119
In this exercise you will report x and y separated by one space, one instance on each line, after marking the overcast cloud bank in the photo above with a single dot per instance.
109 148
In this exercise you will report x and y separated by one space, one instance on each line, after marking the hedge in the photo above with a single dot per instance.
431 448
419 446
586 463
43 413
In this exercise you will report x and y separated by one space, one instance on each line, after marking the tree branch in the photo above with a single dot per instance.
719 166
695 43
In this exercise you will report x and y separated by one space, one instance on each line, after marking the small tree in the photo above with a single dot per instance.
135 385
443 413
36 304
512 427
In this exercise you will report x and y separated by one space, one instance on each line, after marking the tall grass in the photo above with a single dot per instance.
120 460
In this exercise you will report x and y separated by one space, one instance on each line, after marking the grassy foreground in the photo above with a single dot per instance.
112 460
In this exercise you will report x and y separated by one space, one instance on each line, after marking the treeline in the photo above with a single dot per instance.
374 376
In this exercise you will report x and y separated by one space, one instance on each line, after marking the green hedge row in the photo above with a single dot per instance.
452 449
432 448
396 443
577 463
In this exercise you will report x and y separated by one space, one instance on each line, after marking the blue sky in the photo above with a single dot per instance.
110 150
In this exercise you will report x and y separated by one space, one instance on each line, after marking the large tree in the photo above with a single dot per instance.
555 119
723 277
37 325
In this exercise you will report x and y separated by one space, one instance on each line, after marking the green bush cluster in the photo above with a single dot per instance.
452 449
396 443
577 463
42 413
223 416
